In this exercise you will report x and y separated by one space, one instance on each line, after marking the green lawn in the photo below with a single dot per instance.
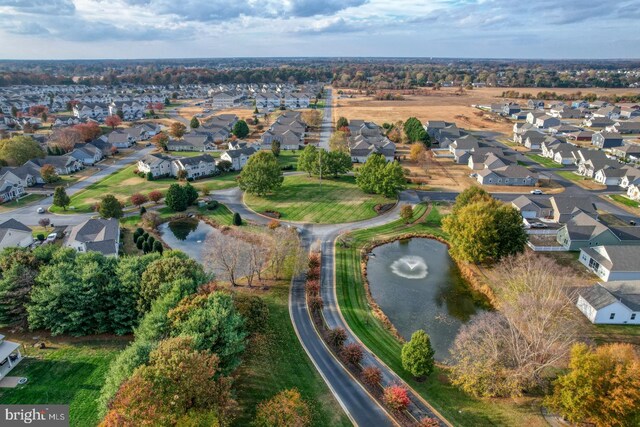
14 204
124 183
289 157
222 215
66 373
624 200
459 408
215 154
571 176
276 361
302 199
544 161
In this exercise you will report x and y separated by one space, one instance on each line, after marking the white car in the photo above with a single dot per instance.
536 192
40 210
51 237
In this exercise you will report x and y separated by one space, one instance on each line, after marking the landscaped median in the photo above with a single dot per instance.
330 201
624 200
458 407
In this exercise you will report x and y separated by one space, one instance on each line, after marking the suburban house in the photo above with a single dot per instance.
194 167
566 207
544 121
10 356
585 231
462 147
615 303
238 157
159 165
535 104
590 161
507 175
63 165
606 140
120 139
192 142
597 122
609 111
612 263
87 153
25 175
14 233
627 152
224 100
626 127
532 116
97 235
533 207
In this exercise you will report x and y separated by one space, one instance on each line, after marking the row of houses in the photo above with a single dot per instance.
196 167
288 129
367 138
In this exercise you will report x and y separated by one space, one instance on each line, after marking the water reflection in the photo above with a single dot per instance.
418 286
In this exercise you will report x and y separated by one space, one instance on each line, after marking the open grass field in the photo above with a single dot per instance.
459 408
124 183
302 199
624 200
70 371
276 361
544 161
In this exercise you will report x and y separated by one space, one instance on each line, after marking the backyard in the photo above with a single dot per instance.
302 198
69 371
458 407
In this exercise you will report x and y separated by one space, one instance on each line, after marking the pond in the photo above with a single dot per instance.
190 235
418 286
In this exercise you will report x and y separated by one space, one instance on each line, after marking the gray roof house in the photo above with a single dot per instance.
14 233
612 262
97 235
611 303
606 140
585 231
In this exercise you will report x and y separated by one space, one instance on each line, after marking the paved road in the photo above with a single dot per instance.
326 128
29 215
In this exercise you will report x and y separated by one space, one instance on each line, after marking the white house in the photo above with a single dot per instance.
195 167
14 233
612 262
10 356
238 157
611 303
157 164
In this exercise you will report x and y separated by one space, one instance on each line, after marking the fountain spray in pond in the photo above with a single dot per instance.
410 267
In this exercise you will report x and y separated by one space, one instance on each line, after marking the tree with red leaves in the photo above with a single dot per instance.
396 398
113 121
352 353
139 199
160 140
155 196
371 376
88 131
37 110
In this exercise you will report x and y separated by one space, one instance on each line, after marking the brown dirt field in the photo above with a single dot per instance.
445 104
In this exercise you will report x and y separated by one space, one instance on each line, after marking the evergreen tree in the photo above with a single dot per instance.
110 207
176 198
241 129
417 355
60 198
195 123
275 148
237 219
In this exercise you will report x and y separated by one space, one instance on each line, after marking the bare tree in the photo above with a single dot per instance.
285 245
258 255
228 254
66 139
507 352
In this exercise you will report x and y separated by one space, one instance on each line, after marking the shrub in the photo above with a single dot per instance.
313 287
40 237
212 205
157 247
140 242
371 376
396 398
254 310
143 210
285 409
237 219
313 273
273 224
314 260
352 353
316 303
337 337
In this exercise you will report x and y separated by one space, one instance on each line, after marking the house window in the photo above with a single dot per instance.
593 264
612 316
633 316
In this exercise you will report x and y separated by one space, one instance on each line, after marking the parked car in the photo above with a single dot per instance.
40 210
539 225
536 191
51 237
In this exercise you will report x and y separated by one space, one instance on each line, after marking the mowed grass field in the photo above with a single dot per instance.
65 373
544 161
124 183
276 361
302 199
459 408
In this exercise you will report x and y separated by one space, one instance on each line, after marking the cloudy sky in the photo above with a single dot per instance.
67 29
